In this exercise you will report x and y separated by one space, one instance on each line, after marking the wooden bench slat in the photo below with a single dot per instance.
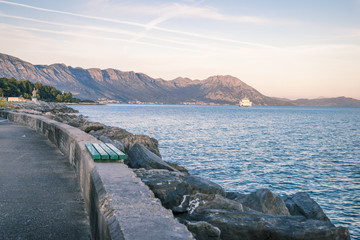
102 152
94 154
117 151
112 154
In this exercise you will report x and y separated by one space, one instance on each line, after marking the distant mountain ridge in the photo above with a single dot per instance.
328 102
127 87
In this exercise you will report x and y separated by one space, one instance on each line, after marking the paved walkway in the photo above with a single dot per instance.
39 194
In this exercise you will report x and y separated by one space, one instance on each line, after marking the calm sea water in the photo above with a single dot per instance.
284 149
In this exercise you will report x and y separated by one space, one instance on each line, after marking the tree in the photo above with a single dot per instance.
60 98
27 96
13 88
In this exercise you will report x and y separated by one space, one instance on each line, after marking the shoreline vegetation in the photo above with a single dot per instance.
10 87
23 90
208 210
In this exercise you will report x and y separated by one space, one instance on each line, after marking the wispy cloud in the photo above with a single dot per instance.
179 10
100 29
93 36
151 25
74 14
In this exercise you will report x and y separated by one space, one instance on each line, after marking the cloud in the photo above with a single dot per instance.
188 11
162 12
177 10
99 37
99 29
74 14
152 25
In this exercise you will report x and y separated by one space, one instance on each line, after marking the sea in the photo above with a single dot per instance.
286 149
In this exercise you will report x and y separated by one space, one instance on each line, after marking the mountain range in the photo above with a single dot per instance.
127 87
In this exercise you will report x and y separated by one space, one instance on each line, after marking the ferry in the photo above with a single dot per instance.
245 102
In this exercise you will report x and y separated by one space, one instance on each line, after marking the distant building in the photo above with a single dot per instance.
17 99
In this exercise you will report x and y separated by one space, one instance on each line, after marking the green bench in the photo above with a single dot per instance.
104 152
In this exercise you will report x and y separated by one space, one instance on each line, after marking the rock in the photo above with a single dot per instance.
235 196
190 186
30 111
91 126
106 139
203 230
150 143
65 109
160 181
200 202
92 133
263 200
178 167
244 225
201 185
174 188
302 204
43 107
76 122
113 133
119 145
184 206
141 157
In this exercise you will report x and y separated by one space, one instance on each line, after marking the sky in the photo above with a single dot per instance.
283 48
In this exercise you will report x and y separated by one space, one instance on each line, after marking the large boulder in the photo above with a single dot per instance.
237 221
75 122
190 186
150 143
263 200
239 225
174 188
141 157
106 139
160 181
119 145
179 168
200 202
113 132
203 230
302 204
91 126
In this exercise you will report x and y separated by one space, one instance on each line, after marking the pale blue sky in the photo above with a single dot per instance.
283 48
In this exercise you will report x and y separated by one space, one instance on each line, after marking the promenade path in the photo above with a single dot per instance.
39 194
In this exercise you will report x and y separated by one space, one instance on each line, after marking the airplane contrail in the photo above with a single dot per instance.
110 30
146 26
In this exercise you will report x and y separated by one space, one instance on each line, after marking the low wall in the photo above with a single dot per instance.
119 205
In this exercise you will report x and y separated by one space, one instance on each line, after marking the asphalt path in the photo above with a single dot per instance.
39 194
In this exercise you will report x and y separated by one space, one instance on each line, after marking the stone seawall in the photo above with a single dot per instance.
119 204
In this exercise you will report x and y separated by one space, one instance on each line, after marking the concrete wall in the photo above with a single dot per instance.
119 205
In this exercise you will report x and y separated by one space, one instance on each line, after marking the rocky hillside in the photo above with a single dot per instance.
328 102
130 86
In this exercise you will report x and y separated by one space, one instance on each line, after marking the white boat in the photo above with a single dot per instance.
245 102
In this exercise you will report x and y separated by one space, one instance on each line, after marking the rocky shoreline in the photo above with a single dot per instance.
208 210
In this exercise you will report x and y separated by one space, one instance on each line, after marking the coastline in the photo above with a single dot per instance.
203 206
